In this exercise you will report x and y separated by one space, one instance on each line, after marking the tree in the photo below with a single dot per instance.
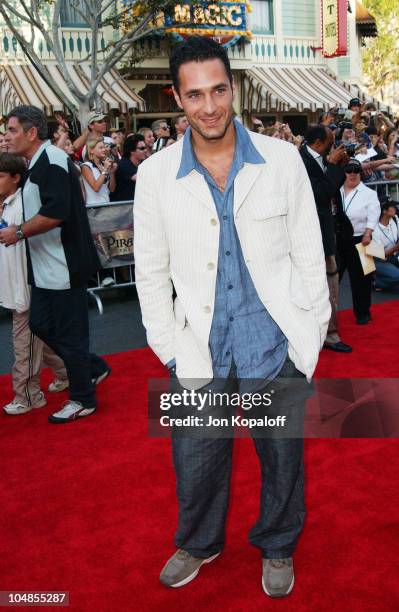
134 20
381 57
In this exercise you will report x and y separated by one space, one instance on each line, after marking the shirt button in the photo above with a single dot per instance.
211 266
207 309
214 222
229 286
227 352
231 318
228 253
225 217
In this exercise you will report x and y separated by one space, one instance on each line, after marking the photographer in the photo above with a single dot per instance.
387 233
326 176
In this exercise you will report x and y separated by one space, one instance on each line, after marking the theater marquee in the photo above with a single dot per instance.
334 27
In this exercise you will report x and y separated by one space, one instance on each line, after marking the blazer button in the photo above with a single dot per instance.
207 309
214 222
211 266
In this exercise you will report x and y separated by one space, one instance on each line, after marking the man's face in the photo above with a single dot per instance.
99 126
163 131
391 212
8 183
19 142
374 139
206 96
325 147
349 135
141 151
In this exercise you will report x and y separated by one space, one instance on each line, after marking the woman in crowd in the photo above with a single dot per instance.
98 173
3 143
387 233
149 139
355 224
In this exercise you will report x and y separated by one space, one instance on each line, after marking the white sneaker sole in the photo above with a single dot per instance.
101 378
284 594
59 388
194 574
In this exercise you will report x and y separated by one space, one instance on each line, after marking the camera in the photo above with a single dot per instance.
350 149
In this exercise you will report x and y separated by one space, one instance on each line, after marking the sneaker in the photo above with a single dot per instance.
58 385
15 407
108 281
278 577
69 412
182 568
97 379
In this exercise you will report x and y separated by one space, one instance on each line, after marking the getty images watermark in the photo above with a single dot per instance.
284 408
201 401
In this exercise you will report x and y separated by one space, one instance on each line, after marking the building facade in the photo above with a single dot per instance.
275 48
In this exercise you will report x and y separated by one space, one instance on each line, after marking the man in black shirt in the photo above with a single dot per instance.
134 152
61 257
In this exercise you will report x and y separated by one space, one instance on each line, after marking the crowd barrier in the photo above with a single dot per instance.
111 226
389 188
112 232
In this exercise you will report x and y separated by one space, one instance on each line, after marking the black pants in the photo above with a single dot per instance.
61 320
348 258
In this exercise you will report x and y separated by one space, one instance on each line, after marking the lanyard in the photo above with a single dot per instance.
391 240
344 199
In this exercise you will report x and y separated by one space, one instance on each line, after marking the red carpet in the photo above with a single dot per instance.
90 507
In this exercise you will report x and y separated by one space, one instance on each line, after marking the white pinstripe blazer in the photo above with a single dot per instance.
176 229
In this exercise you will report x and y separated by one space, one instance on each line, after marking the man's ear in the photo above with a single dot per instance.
177 98
234 88
32 133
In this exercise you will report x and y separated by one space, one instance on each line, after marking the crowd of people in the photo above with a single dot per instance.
342 153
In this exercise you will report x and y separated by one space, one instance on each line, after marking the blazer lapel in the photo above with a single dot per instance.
244 182
198 188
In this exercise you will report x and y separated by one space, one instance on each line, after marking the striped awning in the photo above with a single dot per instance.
280 89
21 84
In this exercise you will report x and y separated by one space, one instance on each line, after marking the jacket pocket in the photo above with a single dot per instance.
268 207
298 291
180 316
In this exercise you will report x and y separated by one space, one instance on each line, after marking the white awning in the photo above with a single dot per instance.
280 88
22 84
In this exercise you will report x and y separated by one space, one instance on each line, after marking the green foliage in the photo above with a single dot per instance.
381 56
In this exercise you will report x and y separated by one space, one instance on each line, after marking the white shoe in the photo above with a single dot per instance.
16 408
58 385
108 281
69 412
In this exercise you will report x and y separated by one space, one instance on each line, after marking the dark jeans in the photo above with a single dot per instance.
348 258
203 472
60 318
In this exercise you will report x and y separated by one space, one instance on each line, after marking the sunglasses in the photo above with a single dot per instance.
165 127
353 170
141 148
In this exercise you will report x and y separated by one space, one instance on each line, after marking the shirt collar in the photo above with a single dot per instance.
313 153
38 153
245 151
12 197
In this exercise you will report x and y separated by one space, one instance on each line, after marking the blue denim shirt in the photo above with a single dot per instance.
242 330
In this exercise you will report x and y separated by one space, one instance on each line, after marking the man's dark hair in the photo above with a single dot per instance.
371 131
197 49
130 144
387 203
316 132
12 164
31 116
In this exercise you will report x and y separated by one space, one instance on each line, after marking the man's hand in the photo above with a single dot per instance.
338 156
8 235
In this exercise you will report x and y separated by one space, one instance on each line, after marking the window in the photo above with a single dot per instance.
262 17
70 17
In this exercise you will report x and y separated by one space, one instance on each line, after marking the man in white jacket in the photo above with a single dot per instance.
15 296
229 218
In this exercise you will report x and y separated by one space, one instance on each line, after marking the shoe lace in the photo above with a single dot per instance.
279 563
182 555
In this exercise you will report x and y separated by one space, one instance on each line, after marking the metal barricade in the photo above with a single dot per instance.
389 188
118 283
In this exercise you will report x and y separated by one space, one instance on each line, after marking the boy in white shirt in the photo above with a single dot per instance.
29 351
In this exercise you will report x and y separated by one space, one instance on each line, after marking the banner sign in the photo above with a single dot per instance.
334 19
112 231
